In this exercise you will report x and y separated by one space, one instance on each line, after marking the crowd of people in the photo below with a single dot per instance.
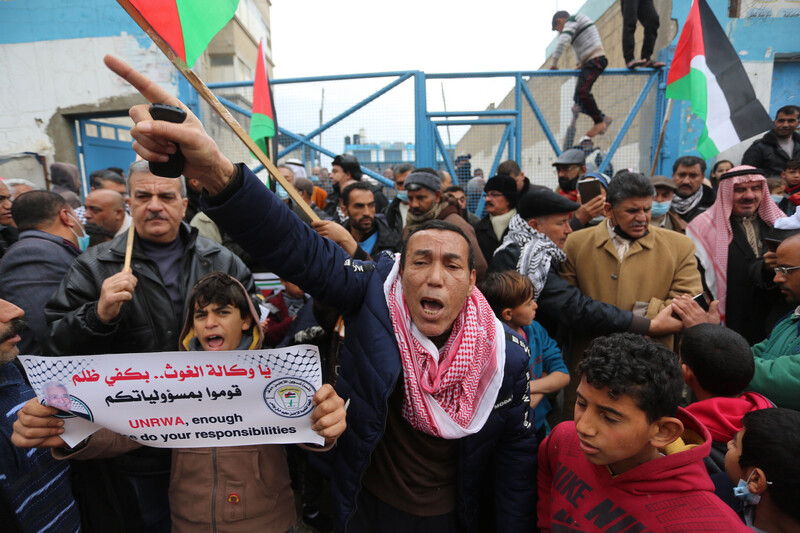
589 358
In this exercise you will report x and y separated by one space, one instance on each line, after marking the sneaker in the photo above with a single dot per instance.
318 521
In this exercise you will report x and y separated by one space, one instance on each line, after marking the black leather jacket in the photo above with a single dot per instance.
145 324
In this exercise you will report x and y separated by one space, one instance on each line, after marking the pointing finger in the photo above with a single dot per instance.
140 82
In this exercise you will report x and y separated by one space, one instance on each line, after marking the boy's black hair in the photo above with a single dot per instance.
439 225
719 357
220 289
506 290
770 442
792 164
633 365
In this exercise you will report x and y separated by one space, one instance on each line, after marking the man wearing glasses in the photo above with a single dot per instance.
777 358
733 252
501 206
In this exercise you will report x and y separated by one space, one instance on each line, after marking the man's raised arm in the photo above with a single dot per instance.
154 140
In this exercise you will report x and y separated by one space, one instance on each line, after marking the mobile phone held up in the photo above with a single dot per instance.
589 189
174 167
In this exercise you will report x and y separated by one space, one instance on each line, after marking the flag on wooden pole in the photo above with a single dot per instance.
187 25
263 124
707 71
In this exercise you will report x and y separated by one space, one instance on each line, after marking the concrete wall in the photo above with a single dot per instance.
51 59
614 94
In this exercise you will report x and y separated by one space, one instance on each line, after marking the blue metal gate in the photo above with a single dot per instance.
528 125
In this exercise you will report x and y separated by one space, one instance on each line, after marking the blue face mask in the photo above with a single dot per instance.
742 492
777 198
83 242
403 196
659 209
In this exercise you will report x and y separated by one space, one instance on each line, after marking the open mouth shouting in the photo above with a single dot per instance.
431 307
215 342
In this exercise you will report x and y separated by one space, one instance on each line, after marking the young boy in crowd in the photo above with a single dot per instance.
632 460
763 460
791 191
511 296
247 487
717 366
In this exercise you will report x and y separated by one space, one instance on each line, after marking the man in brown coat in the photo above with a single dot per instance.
627 262
425 203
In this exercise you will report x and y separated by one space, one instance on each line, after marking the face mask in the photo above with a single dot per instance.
742 492
83 242
403 196
777 198
659 209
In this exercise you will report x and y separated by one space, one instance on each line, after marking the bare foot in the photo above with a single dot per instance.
654 64
635 63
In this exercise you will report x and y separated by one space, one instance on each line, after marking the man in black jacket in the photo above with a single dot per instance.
398 209
345 170
372 234
501 206
533 247
99 308
771 152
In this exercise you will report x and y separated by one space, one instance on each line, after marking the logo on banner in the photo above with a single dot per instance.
289 397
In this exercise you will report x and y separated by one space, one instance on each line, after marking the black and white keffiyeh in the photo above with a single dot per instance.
537 252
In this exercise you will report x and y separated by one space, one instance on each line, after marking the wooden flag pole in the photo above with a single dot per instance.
661 136
129 248
215 104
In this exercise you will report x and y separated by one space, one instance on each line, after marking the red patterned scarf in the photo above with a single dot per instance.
712 233
449 393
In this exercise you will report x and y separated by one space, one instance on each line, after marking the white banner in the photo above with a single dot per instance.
184 399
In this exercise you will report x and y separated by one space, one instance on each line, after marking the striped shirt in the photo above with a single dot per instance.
581 33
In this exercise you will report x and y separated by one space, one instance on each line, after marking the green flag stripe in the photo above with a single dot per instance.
201 20
261 126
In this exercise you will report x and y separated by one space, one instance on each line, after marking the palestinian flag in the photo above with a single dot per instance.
262 123
707 71
187 25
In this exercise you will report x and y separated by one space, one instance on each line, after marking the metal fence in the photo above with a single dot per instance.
432 119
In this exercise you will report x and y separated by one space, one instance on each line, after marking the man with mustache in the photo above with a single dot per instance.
35 489
777 146
692 197
425 203
627 262
372 234
735 261
440 438
99 308
501 206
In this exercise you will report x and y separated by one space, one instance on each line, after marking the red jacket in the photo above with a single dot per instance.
723 416
672 493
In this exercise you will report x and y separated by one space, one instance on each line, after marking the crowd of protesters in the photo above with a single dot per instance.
588 358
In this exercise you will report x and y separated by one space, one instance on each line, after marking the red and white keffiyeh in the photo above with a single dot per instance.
712 234
448 393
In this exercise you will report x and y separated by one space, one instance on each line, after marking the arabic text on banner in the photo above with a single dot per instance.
185 399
